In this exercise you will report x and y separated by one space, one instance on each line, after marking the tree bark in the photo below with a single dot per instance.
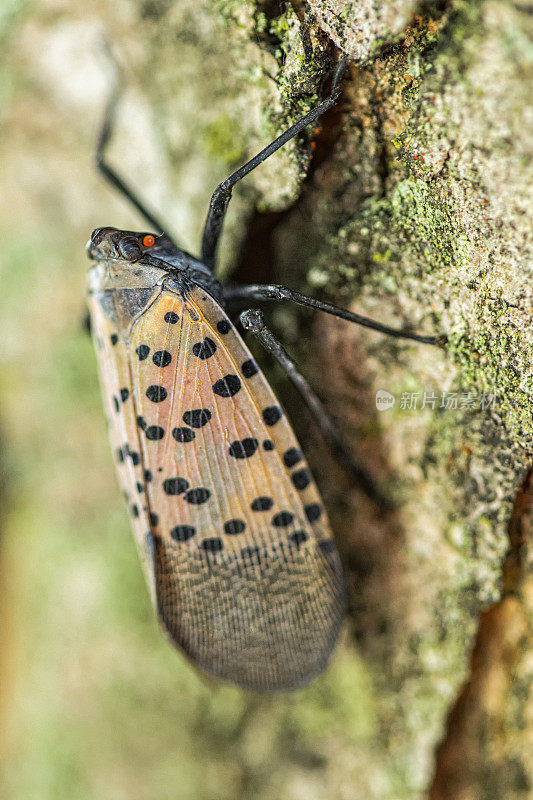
411 203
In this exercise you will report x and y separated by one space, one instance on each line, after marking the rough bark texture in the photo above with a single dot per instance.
412 204
416 207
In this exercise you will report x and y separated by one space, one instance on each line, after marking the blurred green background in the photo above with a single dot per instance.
95 703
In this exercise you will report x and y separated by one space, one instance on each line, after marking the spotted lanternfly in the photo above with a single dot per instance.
232 533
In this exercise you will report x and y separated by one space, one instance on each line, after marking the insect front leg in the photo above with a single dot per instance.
86 323
253 321
222 194
104 136
277 292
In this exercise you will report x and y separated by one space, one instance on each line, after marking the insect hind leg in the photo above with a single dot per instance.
252 320
278 292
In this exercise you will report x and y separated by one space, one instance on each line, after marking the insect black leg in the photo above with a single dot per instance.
252 320
108 172
276 292
222 194
86 323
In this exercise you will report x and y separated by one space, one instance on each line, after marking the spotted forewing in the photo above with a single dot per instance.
231 530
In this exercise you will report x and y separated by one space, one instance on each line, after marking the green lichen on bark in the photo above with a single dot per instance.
416 216
422 217
441 209
426 225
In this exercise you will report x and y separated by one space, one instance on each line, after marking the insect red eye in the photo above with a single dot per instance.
148 240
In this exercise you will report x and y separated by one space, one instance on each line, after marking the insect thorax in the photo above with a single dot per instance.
123 290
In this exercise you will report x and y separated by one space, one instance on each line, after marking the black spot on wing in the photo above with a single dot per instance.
271 415
197 417
282 519
135 457
162 358
313 512
292 456
182 533
142 351
223 326
155 432
234 526
172 486
198 495
249 368
113 339
227 386
171 317
262 504
205 349
156 393
243 448
213 545
301 479
124 394
183 434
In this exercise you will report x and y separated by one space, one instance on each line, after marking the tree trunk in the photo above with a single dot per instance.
410 201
